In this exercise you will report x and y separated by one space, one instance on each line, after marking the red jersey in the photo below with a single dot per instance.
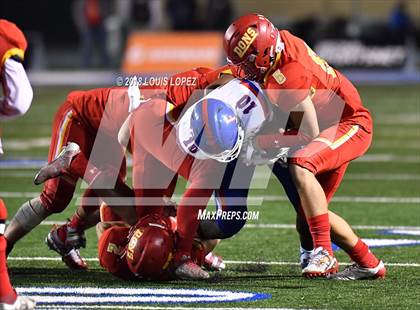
110 105
12 42
300 72
111 251
195 80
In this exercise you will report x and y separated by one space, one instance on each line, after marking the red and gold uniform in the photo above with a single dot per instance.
113 242
111 251
88 118
12 42
157 156
345 124
16 100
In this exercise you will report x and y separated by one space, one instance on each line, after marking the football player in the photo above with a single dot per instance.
17 99
334 129
86 121
119 247
203 149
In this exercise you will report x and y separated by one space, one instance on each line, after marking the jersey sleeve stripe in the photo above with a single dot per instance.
12 52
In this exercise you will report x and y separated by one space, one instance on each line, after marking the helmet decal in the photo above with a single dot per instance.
245 42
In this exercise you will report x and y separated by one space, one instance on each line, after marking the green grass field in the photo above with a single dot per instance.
262 258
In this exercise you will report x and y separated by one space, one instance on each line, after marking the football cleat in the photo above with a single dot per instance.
305 255
69 248
58 165
188 270
356 272
214 262
321 264
21 303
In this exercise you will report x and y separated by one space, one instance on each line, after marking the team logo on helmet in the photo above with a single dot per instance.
133 242
245 42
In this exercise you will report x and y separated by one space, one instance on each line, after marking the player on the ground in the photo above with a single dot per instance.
119 246
17 92
203 148
92 120
334 128
88 121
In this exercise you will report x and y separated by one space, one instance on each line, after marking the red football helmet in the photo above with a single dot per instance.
252 43
149 251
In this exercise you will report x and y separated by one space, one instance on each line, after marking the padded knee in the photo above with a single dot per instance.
31 214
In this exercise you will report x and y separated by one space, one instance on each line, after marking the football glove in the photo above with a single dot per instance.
252 155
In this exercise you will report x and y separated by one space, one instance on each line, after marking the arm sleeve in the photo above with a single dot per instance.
16 89
289 86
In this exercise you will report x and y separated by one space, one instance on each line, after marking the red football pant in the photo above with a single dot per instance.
67 127
7 293
327 157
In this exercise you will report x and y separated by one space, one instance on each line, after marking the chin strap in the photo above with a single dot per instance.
279 44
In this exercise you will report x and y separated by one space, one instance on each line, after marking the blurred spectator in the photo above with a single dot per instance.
219 14
89 17
141 12
400 23
182 14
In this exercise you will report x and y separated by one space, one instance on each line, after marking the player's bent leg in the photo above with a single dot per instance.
29 215
68 238
8 297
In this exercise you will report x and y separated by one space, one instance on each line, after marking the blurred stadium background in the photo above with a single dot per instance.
90 41
79 44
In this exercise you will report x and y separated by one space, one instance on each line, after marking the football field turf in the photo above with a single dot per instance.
379 192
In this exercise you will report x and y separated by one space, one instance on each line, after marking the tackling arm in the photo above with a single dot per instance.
308 129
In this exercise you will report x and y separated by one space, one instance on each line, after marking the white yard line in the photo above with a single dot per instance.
364 227
256 200
260 175
386 158
291 226
397 119
33 163
26 144
361 199
233 262
395 144
153 308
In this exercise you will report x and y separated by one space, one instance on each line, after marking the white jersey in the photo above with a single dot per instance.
252 109
17 92
249 102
